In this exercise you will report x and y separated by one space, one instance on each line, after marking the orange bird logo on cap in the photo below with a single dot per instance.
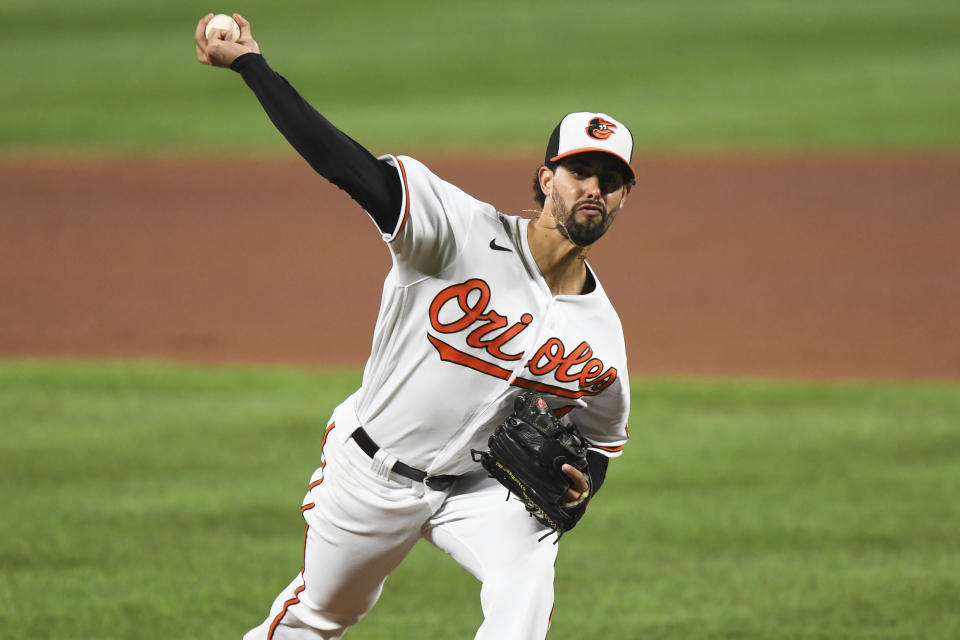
600 129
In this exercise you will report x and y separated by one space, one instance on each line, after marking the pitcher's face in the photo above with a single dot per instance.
585 193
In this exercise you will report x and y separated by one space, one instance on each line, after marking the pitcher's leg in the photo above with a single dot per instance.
499 543
337 586
358 529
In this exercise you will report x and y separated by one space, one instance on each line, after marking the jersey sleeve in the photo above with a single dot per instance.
603 419
433 223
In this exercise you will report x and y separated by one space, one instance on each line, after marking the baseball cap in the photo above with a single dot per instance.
584 131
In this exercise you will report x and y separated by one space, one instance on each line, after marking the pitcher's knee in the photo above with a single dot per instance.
532 578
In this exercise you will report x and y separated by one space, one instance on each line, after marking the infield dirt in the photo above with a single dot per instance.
813 266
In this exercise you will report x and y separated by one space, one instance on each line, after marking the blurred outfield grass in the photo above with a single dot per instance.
158 501
121 76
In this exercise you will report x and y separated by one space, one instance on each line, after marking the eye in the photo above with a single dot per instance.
610 182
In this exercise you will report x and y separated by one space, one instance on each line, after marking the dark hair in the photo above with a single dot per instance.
537 191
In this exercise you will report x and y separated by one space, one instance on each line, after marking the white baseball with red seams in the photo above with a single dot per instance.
223 22
466 322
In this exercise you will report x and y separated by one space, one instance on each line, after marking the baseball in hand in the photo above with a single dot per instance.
225 23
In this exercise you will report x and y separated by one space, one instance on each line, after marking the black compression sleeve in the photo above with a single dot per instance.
597 463
373 183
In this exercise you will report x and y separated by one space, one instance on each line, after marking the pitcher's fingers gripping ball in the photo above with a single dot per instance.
226 24
221 46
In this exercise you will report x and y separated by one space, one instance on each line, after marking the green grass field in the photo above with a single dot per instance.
157 501
120 76
145 500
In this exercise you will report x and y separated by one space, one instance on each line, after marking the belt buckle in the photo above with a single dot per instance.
440 483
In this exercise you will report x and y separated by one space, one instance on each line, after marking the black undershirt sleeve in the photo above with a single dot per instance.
597 463
373 183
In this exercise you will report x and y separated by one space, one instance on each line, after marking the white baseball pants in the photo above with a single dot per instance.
361 521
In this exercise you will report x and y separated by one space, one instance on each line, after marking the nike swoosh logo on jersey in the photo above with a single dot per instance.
496 247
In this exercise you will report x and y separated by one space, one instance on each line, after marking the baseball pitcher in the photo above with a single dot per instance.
497 369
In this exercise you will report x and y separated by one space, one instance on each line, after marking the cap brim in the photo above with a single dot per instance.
625 165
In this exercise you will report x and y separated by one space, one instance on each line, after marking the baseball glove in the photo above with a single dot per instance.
526 454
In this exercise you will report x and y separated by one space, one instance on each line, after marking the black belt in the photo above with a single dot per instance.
369 447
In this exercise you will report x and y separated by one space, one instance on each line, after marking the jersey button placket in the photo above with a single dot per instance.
540 326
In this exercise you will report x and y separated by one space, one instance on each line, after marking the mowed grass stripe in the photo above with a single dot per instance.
689 74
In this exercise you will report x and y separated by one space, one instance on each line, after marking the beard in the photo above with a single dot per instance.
581 233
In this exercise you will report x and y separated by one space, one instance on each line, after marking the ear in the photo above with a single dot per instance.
546 180
626 192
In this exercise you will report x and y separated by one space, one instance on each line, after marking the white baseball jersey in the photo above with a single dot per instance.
466 321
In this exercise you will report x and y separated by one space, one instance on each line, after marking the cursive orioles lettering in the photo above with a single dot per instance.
464 306
473 313
553 357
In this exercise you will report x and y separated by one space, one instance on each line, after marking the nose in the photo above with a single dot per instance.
591 187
